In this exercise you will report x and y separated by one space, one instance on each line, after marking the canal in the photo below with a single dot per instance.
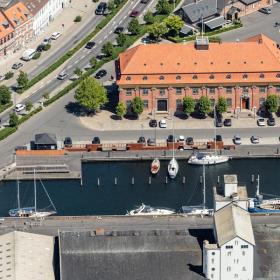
108 187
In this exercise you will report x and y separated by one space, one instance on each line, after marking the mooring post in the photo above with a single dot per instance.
252 178
166 180
98 182
150 180
116 180
132 181
218 180
200 179
184 179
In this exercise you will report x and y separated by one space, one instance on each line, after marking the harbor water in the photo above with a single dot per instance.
113 187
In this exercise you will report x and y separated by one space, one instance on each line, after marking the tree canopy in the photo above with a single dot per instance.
90 94
22 79
5 95
271 103
121 109
174 24
221 106
121 39
149 17
204 105
157 30
188 104
134 26
137 105
163 7
13 122
108 49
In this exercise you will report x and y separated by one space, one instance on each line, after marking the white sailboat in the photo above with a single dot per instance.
209 158
155 165
173 166
199 210
33 211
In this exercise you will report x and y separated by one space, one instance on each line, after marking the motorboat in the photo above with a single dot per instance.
207 159
155 166
173 168
148 210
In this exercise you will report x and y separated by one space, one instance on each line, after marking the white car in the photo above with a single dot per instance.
162 124
255 139
62 75
55 35
237 140
181 138
19 107
261 122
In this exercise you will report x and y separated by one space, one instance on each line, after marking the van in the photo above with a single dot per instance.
28 54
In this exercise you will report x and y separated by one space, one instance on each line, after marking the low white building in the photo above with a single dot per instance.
232 256
230 191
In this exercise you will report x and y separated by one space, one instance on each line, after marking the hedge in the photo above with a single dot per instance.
6 106
7 131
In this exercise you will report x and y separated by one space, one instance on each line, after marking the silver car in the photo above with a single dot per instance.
255 139
237 140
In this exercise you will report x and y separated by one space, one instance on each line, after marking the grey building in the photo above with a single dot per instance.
45 141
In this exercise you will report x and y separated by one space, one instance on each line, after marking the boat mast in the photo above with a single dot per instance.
258 186
35 192
155 138
18 199
173 152
215 143
204 188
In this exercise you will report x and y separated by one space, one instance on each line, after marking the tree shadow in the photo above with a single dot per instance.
115 117
76 109
181 116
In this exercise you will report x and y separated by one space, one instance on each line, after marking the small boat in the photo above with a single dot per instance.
173 168
263 206
155 166
146 210
33 211
207 159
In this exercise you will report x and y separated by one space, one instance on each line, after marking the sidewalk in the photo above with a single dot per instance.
84 8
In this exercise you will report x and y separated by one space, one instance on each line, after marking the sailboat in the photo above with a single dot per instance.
199 210
33 211
173 166
155 165
209 158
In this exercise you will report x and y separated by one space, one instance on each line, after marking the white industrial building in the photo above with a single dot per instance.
26 256
232 256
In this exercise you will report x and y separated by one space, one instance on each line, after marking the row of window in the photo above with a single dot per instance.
242 246
196 90
245 76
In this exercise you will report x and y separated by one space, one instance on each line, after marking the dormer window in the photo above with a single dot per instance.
195 77
278 75
245 76
128 78
178 77
262 76
161 77
211 77
228 76
145 78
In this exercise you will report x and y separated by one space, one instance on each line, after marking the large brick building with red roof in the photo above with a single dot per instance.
163 74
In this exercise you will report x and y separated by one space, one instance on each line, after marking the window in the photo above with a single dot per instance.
212 261
161 77
243 253
178 91
244 246
128 78
179 104
212 275
236 242
228 76
145 91
228 268
262 89
146 104
212 100
277 88
162 91
129 92
278 75
213 269
212 90
235 275
228 89
213 253
145 78
245 90
229 102
245 76
236 261
195 77
211 77
195 90
261 76
229 247
178 77
229 254
261 101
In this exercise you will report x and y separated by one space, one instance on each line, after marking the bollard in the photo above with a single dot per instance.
132 181
150 180
166 180
98 182
184 179
252 178
116 180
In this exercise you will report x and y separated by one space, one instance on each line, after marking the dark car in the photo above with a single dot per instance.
134 13
95 140
40 48
218 122
153 123
151 142
101 8
227 122
17 65
189 141
141 140
119 30
101 73
145 1
90 45
271 121
219 138
170 138
265 10
67 142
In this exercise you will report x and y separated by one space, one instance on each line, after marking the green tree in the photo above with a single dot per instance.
137 106
188 104
78 19
111 5
5 95
149 18
204 105
13 122
90 94
93 61
46 95
271 103
134 26
118 2
22 79
121 109
121 39
28 105
157 30
174 24
163 7
78 71
221 106
108 49
9 75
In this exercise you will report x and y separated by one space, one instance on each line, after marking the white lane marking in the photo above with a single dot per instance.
83 56
124 17
146 9
111 32
76 61
100 42
106 36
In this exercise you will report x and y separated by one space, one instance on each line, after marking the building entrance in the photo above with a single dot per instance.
162 105
245 103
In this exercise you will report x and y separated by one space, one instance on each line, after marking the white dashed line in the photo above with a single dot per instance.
76 61
83 56
100 42
106 36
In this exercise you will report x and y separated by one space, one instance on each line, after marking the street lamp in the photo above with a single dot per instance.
142 129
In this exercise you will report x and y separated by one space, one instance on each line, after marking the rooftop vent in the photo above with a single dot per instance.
202 43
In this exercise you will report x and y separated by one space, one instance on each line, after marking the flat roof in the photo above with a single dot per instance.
215 22
218 193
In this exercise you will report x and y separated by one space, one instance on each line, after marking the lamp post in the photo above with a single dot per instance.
142 129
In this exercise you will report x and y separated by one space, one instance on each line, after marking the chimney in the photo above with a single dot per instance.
202 43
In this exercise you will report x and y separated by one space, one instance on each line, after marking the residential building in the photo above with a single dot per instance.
232 256
7 36
26 256
244 73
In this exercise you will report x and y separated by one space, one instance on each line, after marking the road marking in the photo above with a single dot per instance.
111 32
76 61
83 56
100 42
124 17
106 36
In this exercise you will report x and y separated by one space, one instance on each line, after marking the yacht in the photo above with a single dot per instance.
173 166
33 211
148 210
155 165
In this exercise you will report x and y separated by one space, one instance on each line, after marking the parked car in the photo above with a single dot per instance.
40 48
46 41
55 35
119 30
95 140
271 121
2 78
237 139
100 74
134 13
101 8
67 142
162 123
19 107
170 138
227 122
219 138
265 10
62 75
151 142
145 1
90 45
153 123
255 139
261 122
219 122
141 140
17 65
189 141
181 138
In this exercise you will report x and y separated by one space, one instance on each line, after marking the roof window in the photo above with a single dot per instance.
194 77
278 75
245 76
228 76
145 78
262 76
178 63
161 64
128 78
228 62
161 77
211 63
245 62
178 77
211 77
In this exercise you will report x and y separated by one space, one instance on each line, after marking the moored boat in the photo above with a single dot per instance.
148 210
173 168
207 159
155 166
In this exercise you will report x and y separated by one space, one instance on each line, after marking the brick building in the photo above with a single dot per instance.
7 36
163 74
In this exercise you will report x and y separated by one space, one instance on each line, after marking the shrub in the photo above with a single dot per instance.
36 55
78 19
4 133
28 105
9 75
47 47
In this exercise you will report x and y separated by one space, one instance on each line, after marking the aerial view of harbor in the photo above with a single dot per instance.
139 139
